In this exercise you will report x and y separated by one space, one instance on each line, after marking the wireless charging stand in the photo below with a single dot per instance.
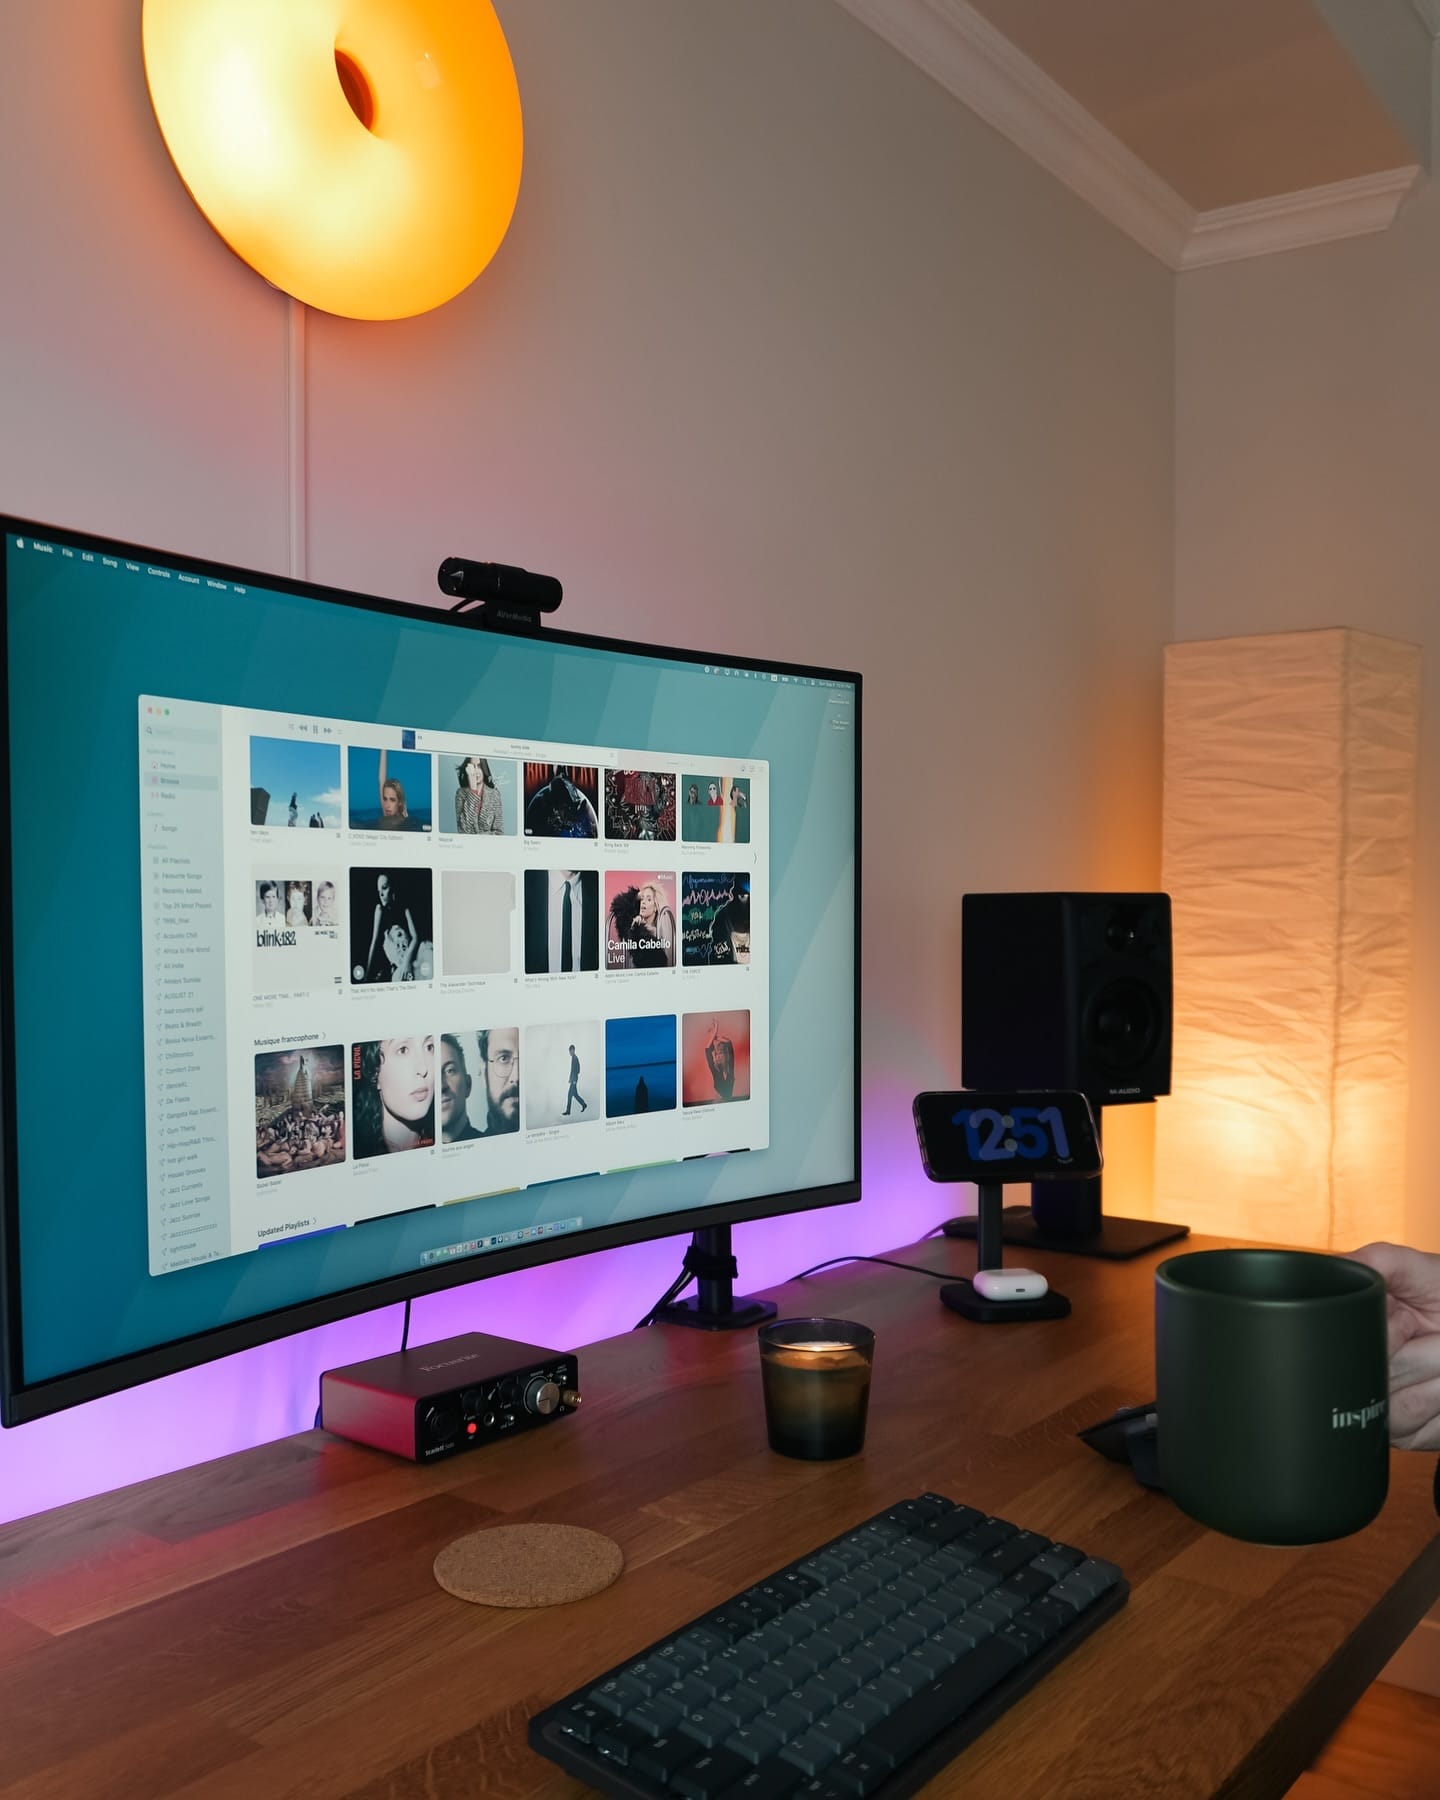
961 1296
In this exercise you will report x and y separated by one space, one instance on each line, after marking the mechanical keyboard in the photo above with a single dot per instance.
860 1669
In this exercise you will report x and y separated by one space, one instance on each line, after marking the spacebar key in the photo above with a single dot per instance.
912 1726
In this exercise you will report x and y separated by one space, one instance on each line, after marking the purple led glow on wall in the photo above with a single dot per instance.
272 1391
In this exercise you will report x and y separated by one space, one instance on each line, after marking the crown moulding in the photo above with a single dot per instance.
969 58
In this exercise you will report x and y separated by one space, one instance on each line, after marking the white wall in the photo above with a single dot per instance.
1308 394
785 354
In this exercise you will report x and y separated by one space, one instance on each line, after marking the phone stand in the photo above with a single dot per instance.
961 1297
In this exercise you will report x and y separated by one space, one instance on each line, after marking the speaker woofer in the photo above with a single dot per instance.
1121 1024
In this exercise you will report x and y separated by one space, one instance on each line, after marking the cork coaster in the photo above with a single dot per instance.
528 1565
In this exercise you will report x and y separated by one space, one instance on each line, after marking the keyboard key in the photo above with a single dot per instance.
740 1706
657 1715
952 1525
786 1720
810 1753
886 1692
707 1727
617 1695
1098 1575
708 1776
925 1661
906 1589
617 1739
888 1604
958 1593
911 1727
699 1637
582 1720
1042 1622
664 1757
797 1666
840 1730
841 1678
773 1780
729 1623
745 1655
715 1677
1028 1582
954 1641
1001 1605
885 1567
867 1709
693 1695
767 1684
986 1537
1013 1554
910 1516
755 1743
866 1661
814 1700
840 1635
1047 1609
1024 1637
906 1630
857 1772
648 1674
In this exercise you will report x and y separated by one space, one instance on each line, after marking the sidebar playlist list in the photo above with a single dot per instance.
183 917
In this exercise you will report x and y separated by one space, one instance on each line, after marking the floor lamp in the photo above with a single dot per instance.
1289 853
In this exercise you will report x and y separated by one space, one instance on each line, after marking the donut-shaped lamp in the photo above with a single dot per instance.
362 155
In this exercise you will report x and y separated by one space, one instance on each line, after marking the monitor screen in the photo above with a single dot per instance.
354 951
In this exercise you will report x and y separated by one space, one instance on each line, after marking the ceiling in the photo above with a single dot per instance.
1228 101
1206 129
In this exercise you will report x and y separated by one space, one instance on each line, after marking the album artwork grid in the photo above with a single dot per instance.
353 918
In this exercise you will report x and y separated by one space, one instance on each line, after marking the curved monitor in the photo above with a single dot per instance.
351 951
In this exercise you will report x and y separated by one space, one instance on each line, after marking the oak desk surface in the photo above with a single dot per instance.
267 1625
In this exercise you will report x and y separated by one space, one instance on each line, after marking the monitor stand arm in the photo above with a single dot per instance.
711 1261
1067 1215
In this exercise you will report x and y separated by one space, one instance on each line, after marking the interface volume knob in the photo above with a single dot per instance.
541 1396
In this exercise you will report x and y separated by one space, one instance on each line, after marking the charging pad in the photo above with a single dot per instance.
961 1297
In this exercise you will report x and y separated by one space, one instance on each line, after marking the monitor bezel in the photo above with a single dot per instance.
21 1401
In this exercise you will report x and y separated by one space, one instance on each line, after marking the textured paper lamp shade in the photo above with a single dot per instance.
1289 850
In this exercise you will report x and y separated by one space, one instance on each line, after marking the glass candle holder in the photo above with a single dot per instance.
816 1377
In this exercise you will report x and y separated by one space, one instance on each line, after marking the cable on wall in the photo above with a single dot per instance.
296 439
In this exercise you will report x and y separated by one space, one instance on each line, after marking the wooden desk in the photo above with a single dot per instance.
267 1625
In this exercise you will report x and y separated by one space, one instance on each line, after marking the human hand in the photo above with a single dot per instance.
1412 1330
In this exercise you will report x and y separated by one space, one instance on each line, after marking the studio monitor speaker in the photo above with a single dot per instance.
1067 991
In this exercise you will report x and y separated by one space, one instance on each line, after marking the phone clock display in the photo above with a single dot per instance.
1029 1132
1034 1135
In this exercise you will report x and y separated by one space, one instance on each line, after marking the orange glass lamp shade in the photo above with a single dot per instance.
362 155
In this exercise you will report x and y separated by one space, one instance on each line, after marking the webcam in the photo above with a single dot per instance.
509 598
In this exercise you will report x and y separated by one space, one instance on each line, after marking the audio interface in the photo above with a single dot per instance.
440 1399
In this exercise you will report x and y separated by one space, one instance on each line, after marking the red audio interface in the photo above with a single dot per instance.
440 1399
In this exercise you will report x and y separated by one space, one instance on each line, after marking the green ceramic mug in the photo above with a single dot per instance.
1272 1392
